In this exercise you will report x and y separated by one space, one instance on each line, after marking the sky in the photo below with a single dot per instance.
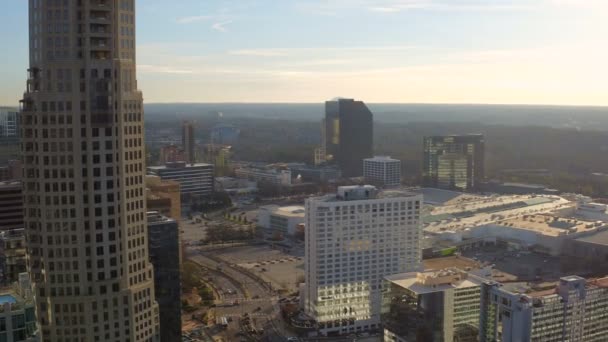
389 51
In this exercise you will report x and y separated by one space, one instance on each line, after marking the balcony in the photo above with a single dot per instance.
100 17
100 30
100 44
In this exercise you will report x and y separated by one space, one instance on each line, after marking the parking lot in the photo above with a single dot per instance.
522 265
276 265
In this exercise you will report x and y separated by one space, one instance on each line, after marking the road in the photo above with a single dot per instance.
254 299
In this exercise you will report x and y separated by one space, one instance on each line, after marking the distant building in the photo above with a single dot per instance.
11 171
281 220
9 123
17 312
316 174
349 135
171 154
235 186
454 161
164 196
575 310
189 142
268 175
11 205
353 240
382 170
13 254
219 156
164 245
224 134
195 180
517 188
432 306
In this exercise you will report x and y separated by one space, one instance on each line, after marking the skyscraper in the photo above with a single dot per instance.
188 142
454 161
83 159
353 239
349 135
165 253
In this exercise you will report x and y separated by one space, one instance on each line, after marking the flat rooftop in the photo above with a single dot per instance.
382 159
599 238
552 225
489 210
438 280
364 193
290 211
178 166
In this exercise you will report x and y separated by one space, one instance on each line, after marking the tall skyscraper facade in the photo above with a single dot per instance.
349 135
83 159
188 142
454 161
353 239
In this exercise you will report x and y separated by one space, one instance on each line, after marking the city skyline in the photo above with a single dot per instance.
433 51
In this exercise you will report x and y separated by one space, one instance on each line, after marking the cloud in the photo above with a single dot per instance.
332 7
221 26
284 52
163 69
193 19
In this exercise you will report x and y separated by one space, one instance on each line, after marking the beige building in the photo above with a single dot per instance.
435 305
164 196
84 174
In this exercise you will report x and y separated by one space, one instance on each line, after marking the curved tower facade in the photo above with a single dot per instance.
83 167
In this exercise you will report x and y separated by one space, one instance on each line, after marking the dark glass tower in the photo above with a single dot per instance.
349 135
454 162
163 241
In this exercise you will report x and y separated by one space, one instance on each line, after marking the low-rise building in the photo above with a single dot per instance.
432 306
382 170
575 310
316 174
268 175
235 186
282 220
17 312
196 180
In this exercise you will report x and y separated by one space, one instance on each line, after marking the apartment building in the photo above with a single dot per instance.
574 310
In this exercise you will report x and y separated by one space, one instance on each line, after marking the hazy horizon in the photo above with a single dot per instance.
536 52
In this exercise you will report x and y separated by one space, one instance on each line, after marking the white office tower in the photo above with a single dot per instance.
382 170
353 240
84 167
